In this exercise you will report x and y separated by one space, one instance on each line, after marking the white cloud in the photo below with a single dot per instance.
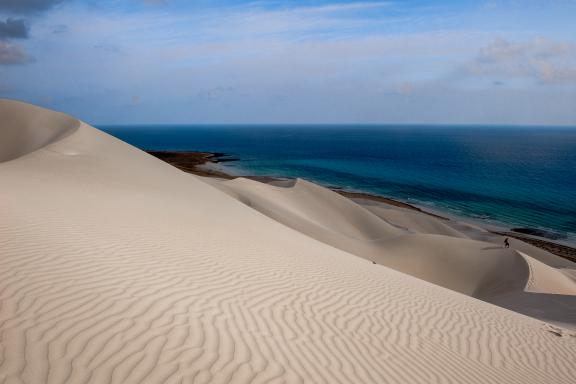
12 54
135 100
155 2
341 7
542 60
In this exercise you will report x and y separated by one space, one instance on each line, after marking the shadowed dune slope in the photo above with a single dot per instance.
414 222
118 268
312 204
19 128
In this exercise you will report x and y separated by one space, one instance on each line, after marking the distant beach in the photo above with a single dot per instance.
210 164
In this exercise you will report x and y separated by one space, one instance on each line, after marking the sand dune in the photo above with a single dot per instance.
317 212
118 268
411 242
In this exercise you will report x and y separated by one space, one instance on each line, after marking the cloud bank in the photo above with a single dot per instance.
281 61
27 6
542 60
14 29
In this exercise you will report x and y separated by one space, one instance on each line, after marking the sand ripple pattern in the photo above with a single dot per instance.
110 276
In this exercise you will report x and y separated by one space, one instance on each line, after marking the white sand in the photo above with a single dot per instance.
116 267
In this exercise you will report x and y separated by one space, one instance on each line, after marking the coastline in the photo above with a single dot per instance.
206 164
199 163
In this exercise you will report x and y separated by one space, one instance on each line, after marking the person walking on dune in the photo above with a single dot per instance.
506 243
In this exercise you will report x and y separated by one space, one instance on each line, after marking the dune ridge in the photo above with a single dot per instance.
20 133
118 268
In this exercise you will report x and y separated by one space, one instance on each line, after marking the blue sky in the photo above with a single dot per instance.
232 61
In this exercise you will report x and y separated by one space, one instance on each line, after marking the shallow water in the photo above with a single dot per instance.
516 176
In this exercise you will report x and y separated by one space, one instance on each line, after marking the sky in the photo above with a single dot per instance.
289 62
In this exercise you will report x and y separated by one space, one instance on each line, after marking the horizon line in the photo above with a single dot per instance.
493 125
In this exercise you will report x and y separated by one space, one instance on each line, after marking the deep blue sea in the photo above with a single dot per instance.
514 176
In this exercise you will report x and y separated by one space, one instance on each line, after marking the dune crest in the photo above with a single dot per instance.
118 268
19 133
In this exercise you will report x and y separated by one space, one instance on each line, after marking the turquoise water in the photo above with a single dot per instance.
515 176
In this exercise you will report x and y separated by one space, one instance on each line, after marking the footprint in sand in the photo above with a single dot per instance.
557 331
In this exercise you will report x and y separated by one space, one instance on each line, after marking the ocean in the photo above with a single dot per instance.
509 176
